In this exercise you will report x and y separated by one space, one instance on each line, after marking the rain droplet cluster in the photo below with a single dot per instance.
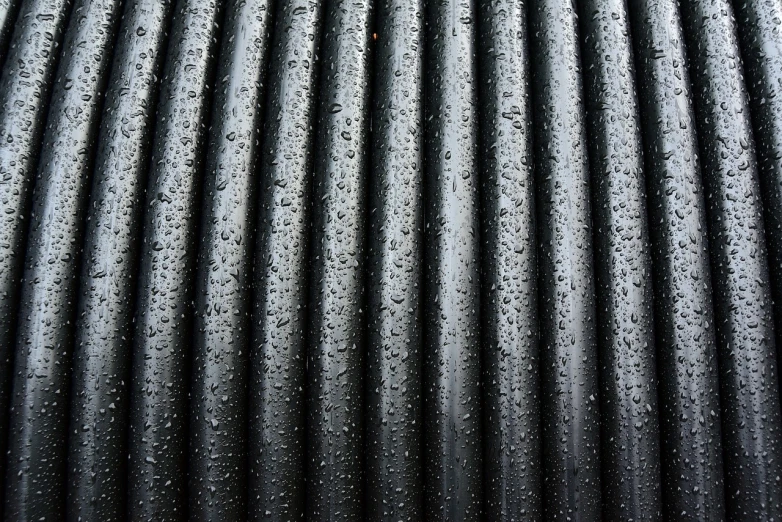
398 260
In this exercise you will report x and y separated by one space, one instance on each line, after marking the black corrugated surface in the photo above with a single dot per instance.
25 88
281 272
690 433
158 427
97 458
629 416
337 315
218 392
451 352
761 46
742 294
511 354
390 260
44 341
395 262
570 397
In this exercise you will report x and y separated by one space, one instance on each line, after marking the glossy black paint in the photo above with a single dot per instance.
277 442
97 445
396 221
37 449
761 50
337 324
25 88
218 389
629 417
160 370
569 358
688 394
453 478
752 428
509 306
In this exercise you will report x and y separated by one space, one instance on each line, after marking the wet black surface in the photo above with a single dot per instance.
742 292
97 471
160 371
690 434
395 260
337 315
25 89
218 388
37 456
453 482
277 442
761 51
629 418
570 396
509 306
8 12
390 259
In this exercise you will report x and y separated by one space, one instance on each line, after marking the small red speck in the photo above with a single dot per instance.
374 36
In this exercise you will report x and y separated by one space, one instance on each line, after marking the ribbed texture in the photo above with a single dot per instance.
509 305
336 341
451 352
742 293
97 459
277 443
629 419
25 89
390 260
396 224
44 342
158 433
692 473
570 398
